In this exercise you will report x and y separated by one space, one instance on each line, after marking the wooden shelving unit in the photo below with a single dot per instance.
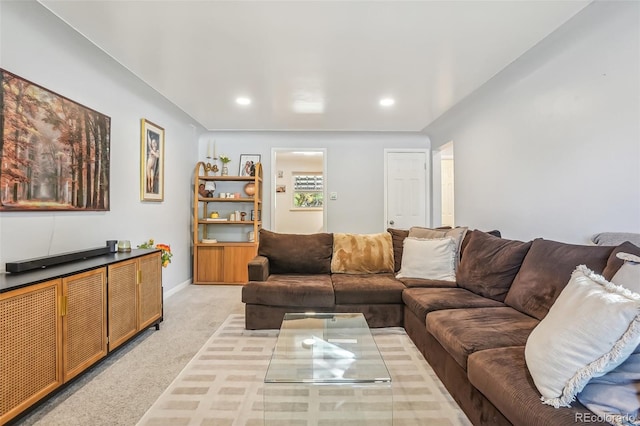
225 261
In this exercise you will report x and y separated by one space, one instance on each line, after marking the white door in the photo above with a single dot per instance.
406 188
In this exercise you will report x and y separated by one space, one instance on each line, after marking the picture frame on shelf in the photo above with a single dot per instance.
48 164
151 161
248 164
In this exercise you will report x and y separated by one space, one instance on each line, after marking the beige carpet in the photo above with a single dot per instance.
223 384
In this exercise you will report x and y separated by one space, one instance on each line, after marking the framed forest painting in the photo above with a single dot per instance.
54 152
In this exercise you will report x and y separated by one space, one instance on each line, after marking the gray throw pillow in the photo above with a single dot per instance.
616 396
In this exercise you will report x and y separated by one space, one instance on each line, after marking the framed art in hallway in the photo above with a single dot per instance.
248 164
54 152
151 161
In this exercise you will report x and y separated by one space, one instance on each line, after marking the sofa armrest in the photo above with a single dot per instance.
259 268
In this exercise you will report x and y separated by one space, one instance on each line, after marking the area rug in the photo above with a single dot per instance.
223 384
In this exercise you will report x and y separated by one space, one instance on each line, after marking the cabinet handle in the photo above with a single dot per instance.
63 306
139 277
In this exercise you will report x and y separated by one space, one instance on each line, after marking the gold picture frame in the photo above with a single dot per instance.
151 161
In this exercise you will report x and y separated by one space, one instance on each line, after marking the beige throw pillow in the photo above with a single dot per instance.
432 259
362 253
456 233
628 276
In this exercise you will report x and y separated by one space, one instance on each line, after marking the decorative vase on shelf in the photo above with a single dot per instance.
225 170
250 189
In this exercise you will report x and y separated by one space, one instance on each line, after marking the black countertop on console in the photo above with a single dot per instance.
12 281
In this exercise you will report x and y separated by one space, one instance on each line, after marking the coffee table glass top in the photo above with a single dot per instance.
326 348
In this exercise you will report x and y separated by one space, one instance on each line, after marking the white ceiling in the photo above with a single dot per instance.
315 65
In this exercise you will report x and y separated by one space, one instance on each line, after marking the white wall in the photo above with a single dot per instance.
37 46
355 169
550 147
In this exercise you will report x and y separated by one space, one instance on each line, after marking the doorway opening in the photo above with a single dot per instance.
299 190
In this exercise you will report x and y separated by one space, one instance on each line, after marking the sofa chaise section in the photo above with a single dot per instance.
459 336
501 375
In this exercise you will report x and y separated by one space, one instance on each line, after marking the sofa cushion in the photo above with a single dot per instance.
462 332
591 328
397 238
490 264
307 291
614 263
465 240
421 301
362 253
286 257
429 259
546 270
369 288
502 376
425 283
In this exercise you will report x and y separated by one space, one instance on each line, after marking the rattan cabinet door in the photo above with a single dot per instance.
150 289
122 301
84 320
30 346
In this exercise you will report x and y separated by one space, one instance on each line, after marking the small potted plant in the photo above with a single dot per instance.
165 248
225 160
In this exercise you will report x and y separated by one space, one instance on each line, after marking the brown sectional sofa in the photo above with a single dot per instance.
472 331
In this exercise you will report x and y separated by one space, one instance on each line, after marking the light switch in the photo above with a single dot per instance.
333 195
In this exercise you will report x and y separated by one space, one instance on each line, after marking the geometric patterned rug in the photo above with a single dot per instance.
223 384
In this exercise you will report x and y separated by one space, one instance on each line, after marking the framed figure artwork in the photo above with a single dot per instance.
248 164
54 152
151 161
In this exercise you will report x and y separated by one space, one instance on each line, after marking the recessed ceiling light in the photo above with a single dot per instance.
243 101
386 102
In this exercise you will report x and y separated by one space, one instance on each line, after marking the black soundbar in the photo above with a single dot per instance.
57 259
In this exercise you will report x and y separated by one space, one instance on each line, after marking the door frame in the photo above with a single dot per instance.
443 151
427 181
274 176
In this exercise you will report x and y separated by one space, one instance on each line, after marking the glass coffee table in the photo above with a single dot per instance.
326 369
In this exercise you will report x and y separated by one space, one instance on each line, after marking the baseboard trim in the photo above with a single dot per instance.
176 289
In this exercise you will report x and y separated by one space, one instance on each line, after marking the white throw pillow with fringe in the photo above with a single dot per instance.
591 328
